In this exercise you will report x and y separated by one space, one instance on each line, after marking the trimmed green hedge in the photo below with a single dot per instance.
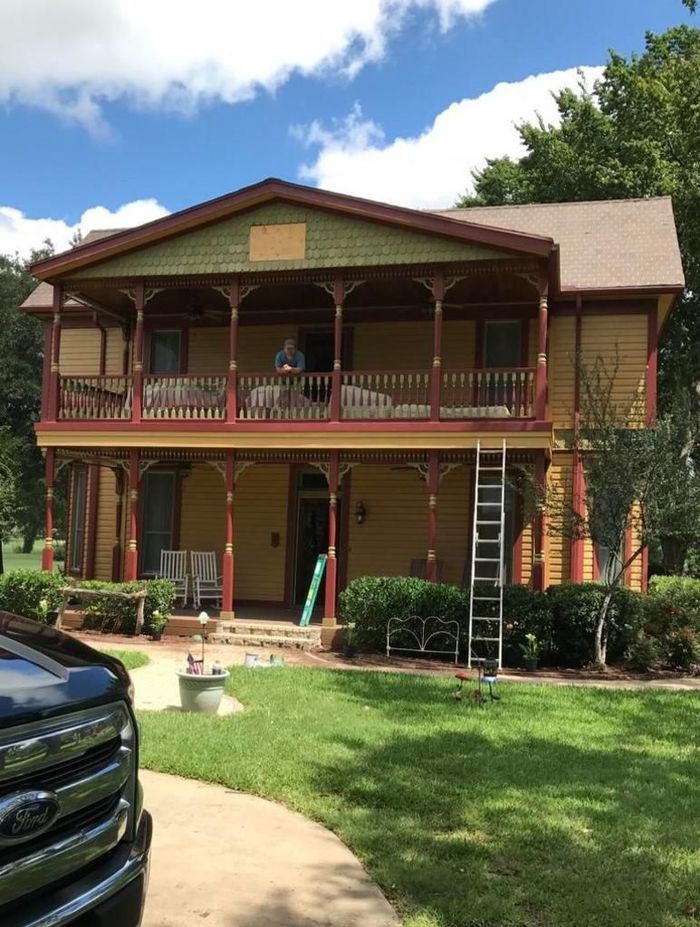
31 593
120 614
672 617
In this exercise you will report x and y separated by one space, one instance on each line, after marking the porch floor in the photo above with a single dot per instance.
251 613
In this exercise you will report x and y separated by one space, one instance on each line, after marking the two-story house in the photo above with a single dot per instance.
423 334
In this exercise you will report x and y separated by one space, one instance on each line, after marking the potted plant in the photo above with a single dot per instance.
349 640
531 652
157 624
201 691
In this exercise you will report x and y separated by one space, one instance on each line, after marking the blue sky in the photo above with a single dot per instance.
131 115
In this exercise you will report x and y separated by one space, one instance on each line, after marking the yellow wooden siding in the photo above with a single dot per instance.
458 344
621 342
260 511
202 525
528 551
635 572
558 547
562 372
106 524
396 529
393 346
80 350
258 344
588 560
114 351
207 350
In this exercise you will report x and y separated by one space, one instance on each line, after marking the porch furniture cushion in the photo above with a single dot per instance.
168 396
262 400
357 402
206 581
409 410
173 566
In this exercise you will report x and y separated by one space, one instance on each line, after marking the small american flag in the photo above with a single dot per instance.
194 667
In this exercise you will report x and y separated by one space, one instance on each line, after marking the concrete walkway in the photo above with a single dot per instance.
224 859
156 687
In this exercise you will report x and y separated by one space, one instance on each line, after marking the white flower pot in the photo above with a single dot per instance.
202 694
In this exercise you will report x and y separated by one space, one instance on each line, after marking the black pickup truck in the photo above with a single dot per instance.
74 838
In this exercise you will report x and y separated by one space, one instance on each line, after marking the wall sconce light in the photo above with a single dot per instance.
360 513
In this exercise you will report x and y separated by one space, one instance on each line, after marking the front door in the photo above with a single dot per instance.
157 518
312 540
318 351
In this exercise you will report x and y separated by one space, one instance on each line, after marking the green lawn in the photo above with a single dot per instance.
555 807
13 561
131 659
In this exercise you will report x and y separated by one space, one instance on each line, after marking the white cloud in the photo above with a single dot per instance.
20 233
72 56
434 168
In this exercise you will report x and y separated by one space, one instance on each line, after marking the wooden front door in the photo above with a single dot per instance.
312 540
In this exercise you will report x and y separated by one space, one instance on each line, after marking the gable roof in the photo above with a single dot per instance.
604 244
455 229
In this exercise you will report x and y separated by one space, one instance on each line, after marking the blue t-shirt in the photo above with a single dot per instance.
296 360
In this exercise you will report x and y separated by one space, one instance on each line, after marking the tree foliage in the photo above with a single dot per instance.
634 134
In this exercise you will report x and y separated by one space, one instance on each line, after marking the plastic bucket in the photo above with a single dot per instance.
251 660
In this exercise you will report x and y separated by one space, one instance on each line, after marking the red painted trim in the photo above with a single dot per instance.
331 590
55 352
345 497
652 364
132 558
286 427
228 569
93 515
46 372
118 549
271 189
656 289
290 545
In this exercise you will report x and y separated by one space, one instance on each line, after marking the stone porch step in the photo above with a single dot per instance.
267 634
266 640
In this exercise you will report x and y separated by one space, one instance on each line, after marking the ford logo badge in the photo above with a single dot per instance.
25 815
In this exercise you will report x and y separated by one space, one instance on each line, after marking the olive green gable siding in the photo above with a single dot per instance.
332 240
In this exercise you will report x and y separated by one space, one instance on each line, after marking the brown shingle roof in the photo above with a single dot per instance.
603 244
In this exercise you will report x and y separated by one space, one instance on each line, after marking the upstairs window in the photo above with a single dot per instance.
166 352
503 344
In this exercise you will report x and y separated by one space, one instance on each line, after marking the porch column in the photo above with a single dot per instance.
436 370
132 555
336 376
227 590
47 552
329 616
118 519
538 568
232 384
433 484
54 383
137 365
541 375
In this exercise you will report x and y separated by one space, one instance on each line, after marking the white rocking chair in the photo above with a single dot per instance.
173 567
206 581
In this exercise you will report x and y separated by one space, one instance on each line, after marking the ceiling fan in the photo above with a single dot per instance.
196 310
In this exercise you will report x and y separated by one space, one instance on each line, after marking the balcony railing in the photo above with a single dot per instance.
364 395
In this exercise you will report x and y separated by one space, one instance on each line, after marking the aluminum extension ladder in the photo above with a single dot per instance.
486 583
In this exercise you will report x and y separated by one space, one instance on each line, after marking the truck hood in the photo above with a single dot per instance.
44 673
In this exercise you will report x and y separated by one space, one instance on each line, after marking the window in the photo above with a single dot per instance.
158 510
503 344
165 352
77 534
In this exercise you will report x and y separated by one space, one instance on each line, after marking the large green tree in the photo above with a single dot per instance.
636 133
21 353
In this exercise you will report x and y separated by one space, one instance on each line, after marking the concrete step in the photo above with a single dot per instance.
265 640
271 629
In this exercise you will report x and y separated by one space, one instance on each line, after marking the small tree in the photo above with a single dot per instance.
639 483
8 489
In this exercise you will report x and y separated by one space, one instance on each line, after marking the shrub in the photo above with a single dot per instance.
574 613
682 648
120 614
59 551
673 602
525 612
369 602
642 654
31 593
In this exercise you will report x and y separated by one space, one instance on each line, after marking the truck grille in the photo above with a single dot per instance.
86 760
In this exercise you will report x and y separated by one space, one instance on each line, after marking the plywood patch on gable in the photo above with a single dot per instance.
279 242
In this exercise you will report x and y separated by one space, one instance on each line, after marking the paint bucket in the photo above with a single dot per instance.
251 660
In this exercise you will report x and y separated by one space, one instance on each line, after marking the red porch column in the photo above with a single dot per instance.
329 615
227 590
436 370
47 552
433 484
137 366
119 516
54 382
538 567
132 555
232 384
336 376
541 375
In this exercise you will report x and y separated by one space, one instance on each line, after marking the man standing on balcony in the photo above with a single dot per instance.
289 361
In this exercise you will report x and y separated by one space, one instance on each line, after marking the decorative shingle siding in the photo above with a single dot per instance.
332 240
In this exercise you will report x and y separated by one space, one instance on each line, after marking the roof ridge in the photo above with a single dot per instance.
566 203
